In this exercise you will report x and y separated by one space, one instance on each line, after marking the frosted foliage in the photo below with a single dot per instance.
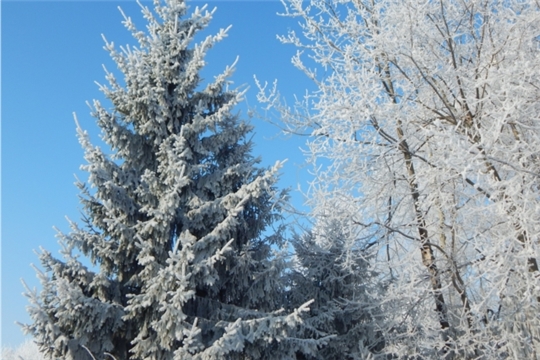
26 351
175 217
424 132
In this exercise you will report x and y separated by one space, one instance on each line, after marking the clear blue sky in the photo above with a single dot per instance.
52 53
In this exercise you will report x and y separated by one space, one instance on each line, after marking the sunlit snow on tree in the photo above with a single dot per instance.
424 132
174 218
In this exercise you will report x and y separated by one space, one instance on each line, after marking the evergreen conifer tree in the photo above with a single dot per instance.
332 269
175 219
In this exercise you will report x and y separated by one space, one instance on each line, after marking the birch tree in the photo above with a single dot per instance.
175 218
424 130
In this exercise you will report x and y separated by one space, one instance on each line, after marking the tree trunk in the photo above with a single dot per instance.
428 258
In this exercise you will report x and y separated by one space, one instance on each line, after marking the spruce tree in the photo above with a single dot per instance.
331 268
175 218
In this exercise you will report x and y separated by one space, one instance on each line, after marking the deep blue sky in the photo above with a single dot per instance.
52 53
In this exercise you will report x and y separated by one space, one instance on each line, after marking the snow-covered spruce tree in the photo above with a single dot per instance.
175 219
331 267
425 134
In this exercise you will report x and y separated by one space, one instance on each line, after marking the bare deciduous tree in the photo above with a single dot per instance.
424 129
